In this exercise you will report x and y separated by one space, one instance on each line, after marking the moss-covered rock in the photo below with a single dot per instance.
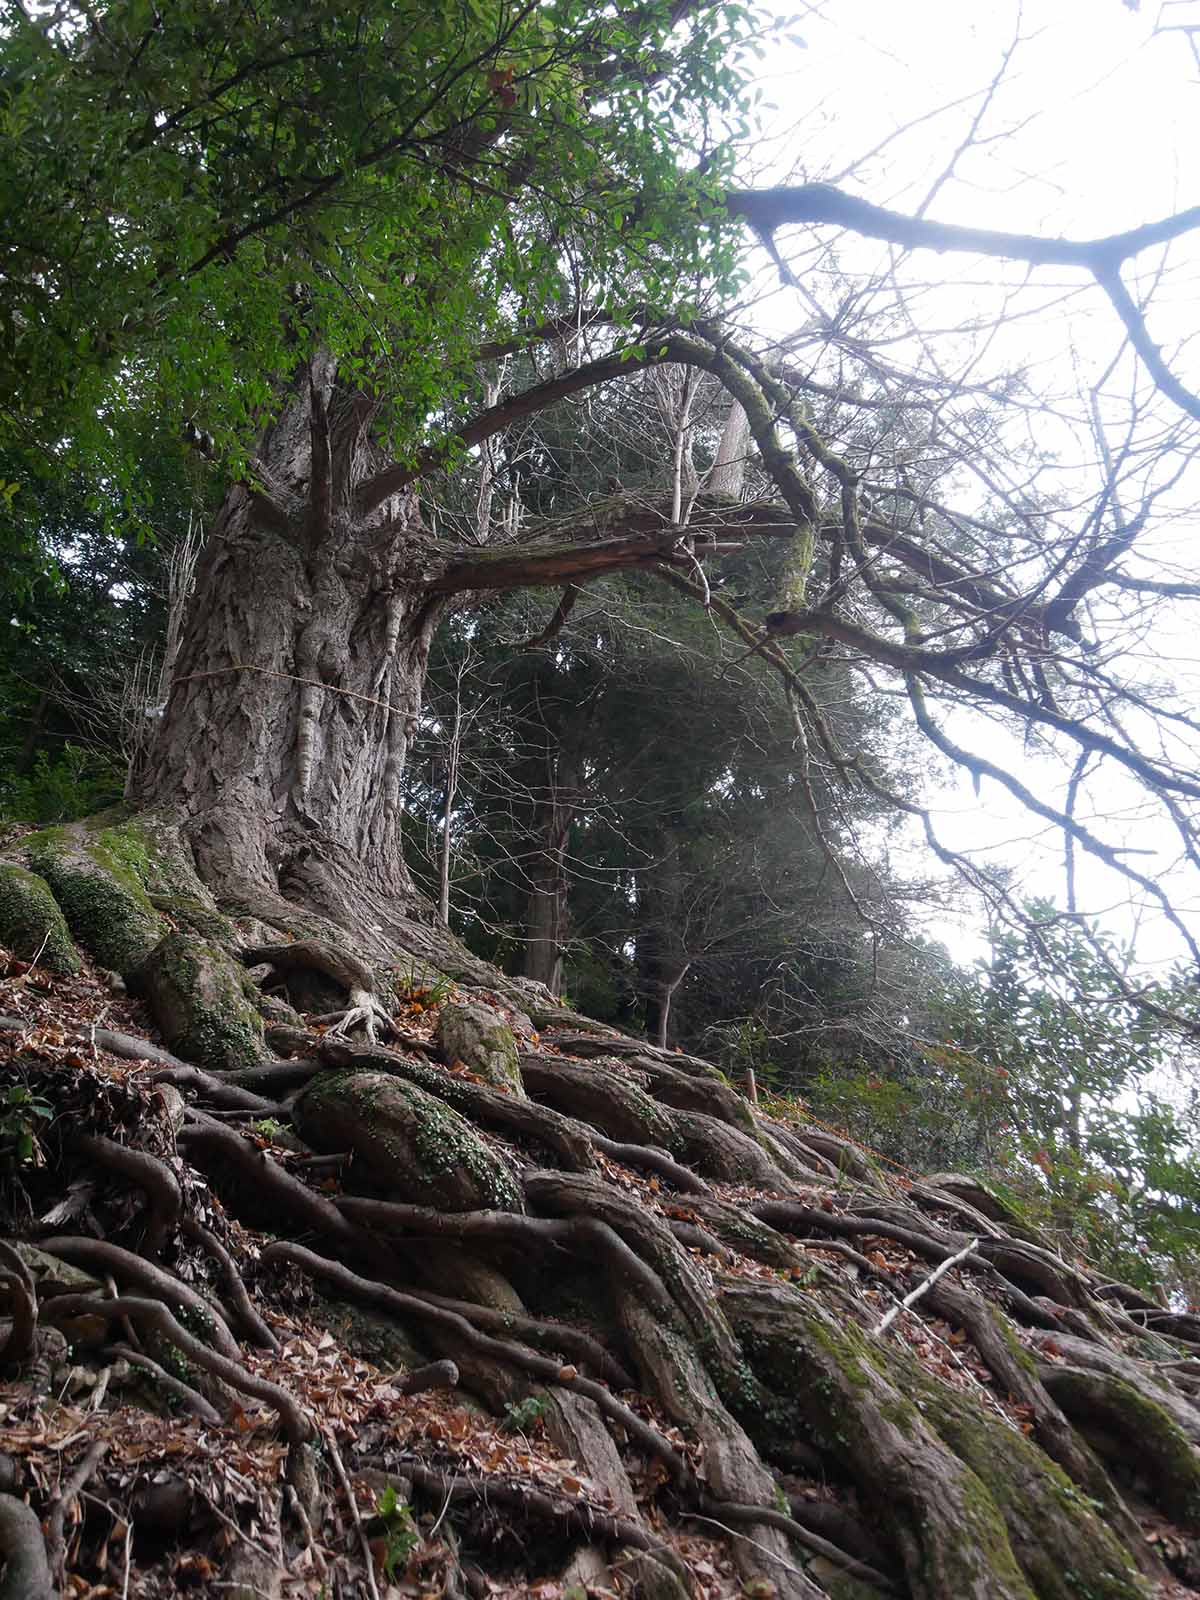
96 878
31 923
197 994
408 1141
483 1042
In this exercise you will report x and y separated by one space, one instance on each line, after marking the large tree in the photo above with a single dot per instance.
329 222
312 230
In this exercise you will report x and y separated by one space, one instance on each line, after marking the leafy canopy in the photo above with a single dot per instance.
193 195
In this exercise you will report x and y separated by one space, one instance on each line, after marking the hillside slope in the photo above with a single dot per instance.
482 1308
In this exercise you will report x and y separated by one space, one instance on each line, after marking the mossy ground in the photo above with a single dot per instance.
31 923
97 877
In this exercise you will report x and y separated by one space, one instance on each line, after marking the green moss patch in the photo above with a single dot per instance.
196 992
31 923
95 878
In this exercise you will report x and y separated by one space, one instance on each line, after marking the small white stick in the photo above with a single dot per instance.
939 1271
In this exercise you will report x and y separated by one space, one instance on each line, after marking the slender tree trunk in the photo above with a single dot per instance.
662 963
36 723
669 985
547 911
728 471
447 815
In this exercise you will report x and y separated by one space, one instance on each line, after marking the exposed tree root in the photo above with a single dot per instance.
527 1500
26 1568
99 1256
248 1320
568 1140
191 1398
996 1342
160 1185
631 1254
461 1331
21 1342
154 1314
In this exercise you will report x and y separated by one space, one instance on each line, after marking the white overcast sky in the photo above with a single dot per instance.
1094 129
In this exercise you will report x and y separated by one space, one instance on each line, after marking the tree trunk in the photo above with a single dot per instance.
546 912
662 960
299 678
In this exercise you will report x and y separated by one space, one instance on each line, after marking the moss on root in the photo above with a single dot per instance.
197 993
1057 1532
31 923
1145 1436
420 1148
96 876
1022 1525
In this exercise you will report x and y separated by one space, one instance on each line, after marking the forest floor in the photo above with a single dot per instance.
149 1476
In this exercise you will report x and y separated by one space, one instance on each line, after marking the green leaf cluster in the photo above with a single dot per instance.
193 196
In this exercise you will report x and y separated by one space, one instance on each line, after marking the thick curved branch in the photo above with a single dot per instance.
164 1199
768 209
396 477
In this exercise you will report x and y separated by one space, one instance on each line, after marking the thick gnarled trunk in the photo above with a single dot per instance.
298 683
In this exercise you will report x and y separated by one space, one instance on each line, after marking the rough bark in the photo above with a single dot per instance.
285 733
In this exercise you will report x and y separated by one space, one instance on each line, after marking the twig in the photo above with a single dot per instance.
296 1507
339 1466
101 1389
55 1545
923 1287
128 1564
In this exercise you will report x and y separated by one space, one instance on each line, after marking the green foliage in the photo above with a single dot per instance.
526 1416
399 1532
21 1112
416 985
76 783
1039 1074
243 182
82 610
